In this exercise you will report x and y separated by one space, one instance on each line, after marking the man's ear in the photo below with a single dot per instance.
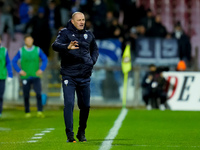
72 21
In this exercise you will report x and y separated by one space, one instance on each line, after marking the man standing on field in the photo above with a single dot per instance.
30 72
79 53
5 70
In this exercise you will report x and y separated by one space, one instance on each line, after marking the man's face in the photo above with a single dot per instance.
178 28
79 21
158 19
152 68
28 41
149 14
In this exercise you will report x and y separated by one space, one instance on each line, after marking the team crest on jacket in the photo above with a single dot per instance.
66 82
85 36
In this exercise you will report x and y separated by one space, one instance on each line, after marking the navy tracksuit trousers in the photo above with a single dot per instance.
2 88
36 82
82 88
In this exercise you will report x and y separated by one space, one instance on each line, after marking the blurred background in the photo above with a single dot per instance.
160 32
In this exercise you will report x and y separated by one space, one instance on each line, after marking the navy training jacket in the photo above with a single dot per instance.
78 62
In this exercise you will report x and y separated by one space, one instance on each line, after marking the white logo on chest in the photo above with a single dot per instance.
85 36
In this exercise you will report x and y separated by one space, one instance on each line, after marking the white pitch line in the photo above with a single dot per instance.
4 129
50 129
46 131
107 143
38 137
39 134
12 142
32 141
160 146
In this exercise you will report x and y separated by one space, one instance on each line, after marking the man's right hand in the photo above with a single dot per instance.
73 45
22 73
150 77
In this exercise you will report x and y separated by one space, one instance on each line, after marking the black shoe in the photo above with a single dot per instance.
71 139
81 137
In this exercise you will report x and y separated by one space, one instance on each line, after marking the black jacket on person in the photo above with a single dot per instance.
57 16
40 32
78 62
184 46
158 30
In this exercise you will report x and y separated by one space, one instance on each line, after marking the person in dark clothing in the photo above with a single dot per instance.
40 31
98 15
153 87
79 53
148 22
115 30
5 70
184 45
7 17
52 12
26 12
65 8
158 30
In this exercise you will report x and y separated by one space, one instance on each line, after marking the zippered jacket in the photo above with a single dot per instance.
78 62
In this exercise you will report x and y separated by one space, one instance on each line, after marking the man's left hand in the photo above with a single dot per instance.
39 72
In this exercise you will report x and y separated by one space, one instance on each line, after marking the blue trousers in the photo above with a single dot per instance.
82 88
2 88
36 82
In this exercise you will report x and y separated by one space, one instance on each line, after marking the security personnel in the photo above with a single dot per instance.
5 69
79 53
31 72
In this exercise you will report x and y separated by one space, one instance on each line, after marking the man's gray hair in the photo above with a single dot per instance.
73 15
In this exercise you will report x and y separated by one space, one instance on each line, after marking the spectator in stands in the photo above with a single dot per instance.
148 22
135 32
116 30
25 13
30 72
168 35
141 13
89 25
138 31
75 6
153 87
158 30
52 12
130 15
113 6
7 8
109 18
98 15
184 45
5 70
108 23
65 11
40 31
83 5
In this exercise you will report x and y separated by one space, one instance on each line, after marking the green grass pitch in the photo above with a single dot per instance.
140 130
